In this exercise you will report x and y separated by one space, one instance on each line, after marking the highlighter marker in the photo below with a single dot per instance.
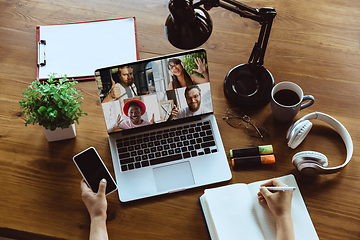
251 151
253 160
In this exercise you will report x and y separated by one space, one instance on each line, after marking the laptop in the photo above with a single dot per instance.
163 135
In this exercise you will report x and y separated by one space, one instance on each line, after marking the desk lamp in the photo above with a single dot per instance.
189 26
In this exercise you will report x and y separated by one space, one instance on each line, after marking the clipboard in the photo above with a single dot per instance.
78 49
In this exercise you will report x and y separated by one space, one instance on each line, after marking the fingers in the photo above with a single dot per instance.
274 183
119 120
86 191
175 112
198 61
152 121
83 185
268 184
200 64
278 183
102 187
111 91
264 193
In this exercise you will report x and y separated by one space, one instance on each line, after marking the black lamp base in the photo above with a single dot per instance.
248 85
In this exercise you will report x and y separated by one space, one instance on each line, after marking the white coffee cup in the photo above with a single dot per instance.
287 99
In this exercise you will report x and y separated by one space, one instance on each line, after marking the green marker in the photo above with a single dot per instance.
251 151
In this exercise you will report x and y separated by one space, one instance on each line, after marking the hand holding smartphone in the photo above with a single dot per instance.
93 169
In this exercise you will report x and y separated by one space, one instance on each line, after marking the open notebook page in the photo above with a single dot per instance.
233 213
303 226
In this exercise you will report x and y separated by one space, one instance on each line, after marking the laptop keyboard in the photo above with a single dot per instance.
166 145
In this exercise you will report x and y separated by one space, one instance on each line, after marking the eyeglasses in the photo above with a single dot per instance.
172 66
255 128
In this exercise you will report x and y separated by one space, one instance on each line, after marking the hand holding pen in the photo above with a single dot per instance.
279 203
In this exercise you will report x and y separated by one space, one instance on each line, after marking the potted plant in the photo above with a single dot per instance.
53 104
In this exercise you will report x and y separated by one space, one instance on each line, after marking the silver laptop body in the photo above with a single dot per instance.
191 150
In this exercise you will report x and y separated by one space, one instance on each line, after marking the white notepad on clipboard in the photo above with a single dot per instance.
76 49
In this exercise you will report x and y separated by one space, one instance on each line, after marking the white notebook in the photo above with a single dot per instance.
234 212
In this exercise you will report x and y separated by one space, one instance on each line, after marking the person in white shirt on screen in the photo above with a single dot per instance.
279 204
133 109
125 88
193 100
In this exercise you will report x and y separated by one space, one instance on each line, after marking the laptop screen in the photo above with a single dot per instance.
155 90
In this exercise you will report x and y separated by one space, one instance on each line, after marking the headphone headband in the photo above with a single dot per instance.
338 128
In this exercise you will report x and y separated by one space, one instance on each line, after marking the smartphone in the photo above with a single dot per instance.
93 169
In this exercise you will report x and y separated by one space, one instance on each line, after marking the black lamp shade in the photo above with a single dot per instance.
187 27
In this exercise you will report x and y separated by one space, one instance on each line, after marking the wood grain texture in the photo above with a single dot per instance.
315 44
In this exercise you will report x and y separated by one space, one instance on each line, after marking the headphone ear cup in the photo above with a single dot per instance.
309 162
316 157
298 134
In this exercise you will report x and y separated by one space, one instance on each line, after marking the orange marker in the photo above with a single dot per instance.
253 160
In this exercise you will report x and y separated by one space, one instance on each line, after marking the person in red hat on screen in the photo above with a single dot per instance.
133 109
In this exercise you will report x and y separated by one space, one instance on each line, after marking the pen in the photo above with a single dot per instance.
280 188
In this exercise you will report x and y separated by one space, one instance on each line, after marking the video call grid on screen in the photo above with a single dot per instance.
150 82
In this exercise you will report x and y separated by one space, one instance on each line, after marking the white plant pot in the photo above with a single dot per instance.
60 134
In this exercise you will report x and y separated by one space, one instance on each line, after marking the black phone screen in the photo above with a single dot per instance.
93 170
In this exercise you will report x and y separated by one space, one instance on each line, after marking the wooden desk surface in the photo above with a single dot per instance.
313 43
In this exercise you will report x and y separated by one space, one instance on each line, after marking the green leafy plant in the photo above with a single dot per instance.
52 103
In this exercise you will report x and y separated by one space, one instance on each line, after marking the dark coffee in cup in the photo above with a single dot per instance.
286 97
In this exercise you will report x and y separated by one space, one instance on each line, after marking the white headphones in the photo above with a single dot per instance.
311 163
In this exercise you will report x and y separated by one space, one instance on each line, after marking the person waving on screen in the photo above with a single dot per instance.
134 110
181 78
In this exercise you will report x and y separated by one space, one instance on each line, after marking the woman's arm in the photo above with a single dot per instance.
279 204
96 205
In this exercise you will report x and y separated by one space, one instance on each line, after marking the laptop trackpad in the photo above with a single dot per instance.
173 177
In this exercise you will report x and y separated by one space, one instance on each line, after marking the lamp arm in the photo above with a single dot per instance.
264 16
258 52
242 13
241 6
